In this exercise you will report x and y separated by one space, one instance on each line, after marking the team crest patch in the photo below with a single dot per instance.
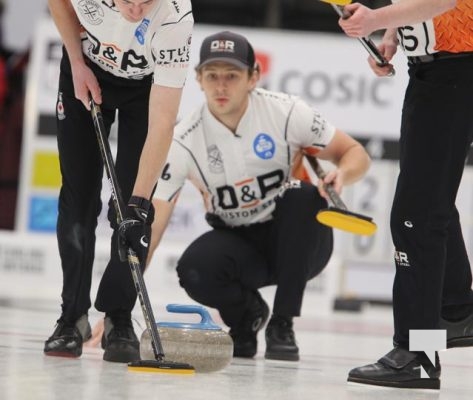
60 108
264 146
91 11
141 31
215 160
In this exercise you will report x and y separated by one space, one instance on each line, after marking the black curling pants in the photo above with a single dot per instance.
432 267
79 199
223 267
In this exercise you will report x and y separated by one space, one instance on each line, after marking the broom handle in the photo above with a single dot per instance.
334 196
366 41
118 204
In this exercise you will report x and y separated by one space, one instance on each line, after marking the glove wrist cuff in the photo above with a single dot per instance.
140 202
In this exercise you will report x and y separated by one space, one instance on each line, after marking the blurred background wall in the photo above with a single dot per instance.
19 21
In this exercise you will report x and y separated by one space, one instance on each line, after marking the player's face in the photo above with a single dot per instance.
226 88
134 10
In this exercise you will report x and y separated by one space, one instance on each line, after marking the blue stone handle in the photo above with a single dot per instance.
206 320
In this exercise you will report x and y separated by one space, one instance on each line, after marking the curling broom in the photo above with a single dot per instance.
338 216
159 364
338 6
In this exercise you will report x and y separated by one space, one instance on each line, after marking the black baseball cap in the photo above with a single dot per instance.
227 47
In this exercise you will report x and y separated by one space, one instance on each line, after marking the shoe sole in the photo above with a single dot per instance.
460 342
427 383
244 355
64 354
121 357
281 356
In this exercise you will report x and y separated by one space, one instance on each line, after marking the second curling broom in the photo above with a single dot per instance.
338 6
338 215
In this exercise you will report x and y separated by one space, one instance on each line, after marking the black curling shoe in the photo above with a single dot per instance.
400 368
459 333
68 338
119 339
280 340
244 335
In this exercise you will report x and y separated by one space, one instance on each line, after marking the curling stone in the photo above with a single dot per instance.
203 345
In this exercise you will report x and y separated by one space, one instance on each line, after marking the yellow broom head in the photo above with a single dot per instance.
161 367
338 2
347 221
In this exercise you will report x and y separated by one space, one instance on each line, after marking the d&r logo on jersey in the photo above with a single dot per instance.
91 11
264 146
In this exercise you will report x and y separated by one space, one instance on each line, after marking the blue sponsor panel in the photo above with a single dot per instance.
43 214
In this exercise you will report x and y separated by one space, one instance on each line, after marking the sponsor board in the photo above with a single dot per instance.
30 268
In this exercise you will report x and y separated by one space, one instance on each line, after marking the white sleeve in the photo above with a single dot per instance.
171 47
175 173
308 128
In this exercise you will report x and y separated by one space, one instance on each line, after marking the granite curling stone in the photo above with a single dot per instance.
203 345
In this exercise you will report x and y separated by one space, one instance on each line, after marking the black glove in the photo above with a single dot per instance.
134 231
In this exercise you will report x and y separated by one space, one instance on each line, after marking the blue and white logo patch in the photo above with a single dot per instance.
141 31
264 146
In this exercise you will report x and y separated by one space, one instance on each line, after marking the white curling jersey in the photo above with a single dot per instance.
451 31
159 43
239 175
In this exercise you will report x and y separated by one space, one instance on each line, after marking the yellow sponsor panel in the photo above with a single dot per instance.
46 172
